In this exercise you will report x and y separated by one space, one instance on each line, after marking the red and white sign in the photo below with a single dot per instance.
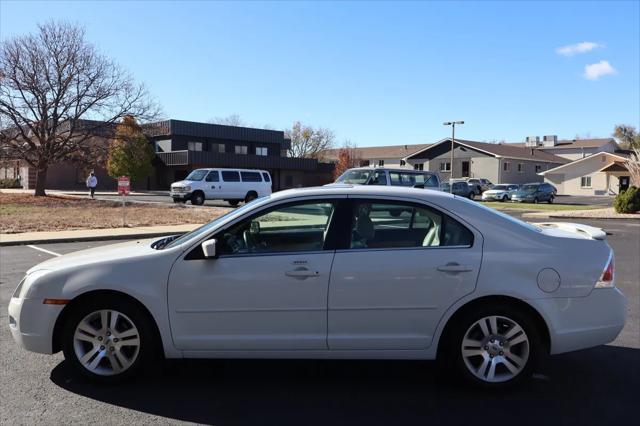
123 185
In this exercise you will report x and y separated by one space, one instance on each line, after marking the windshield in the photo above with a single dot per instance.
197 174
529 188
500 187
204 228
359 177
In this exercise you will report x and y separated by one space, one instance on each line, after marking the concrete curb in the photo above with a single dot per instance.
87 238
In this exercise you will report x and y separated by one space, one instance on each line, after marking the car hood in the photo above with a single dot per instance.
183 183
120 251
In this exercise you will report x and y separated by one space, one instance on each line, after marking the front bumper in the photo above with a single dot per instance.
583 322
31 323
180 195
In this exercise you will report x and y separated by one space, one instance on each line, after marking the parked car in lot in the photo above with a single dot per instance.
534 193
501 192
390 176
460 188
479 185
331 273
232 185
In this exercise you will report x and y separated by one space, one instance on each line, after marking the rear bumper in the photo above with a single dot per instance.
583 322
31 324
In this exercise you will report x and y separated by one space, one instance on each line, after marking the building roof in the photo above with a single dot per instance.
371 152
502 150
612 157
572 143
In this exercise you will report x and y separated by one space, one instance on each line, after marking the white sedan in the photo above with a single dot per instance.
340 271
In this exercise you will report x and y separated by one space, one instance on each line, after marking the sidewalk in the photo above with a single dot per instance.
93 234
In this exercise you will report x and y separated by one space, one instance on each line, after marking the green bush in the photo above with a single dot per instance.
10 183
628 201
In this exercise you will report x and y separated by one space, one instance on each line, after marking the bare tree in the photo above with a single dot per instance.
57 93
627 135
308 142
229 120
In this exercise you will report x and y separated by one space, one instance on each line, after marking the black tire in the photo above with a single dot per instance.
251 195
452 353
197 198
149 348
234 202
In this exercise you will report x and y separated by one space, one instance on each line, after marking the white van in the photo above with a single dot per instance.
232 185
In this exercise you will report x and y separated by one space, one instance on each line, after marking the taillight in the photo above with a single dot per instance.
606 280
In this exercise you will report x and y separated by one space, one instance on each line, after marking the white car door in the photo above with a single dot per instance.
404 266
212 186
267 290
231 185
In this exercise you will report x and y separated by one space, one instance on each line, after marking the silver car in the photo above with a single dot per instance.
501 192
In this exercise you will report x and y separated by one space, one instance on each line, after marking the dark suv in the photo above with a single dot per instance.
534 193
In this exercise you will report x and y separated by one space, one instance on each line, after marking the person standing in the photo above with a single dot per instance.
92 182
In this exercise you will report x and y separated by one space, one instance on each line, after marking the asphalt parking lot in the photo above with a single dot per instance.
595 386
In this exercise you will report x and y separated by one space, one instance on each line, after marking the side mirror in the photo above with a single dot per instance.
209 249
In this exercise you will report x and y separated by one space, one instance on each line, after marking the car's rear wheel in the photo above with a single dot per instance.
495 346
197 199
108 340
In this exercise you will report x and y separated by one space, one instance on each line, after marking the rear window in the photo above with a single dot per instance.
266 177
250 177
230 176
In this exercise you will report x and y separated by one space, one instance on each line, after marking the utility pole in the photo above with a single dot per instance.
453 144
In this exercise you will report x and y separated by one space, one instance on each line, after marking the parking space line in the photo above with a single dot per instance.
44 250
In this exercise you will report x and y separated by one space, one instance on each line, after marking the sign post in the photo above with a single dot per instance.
123 189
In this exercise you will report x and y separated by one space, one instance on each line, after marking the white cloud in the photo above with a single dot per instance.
575 49
597 70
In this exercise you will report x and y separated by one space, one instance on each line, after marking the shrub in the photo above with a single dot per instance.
10 183
628 201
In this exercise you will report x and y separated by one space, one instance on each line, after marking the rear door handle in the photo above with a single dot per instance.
302 273
455 268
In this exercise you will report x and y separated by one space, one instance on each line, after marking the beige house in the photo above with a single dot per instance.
378 156
603 173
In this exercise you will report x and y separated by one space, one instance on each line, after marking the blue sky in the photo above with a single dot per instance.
376 73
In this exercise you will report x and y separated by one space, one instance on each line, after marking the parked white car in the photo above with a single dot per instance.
331 272
232 185
501 192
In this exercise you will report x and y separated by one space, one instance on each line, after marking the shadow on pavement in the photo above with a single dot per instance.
598 386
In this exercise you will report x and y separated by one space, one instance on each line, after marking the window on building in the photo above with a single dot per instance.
538 168
506 166
380 163
262 150
520 168
241 149
585 182
402 162
194 146
418 166
445 166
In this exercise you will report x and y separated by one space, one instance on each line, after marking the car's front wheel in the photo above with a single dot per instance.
108 340
495 346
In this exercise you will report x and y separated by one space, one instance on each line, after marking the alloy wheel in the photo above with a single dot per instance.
495 349
106 342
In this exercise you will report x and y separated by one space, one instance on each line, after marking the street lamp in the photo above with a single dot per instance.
453 140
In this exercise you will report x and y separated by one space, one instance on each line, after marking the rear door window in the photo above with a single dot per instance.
250 177
229 176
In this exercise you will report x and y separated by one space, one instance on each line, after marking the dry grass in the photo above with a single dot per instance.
26 213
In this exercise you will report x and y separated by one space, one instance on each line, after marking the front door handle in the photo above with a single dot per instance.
455 268
302 273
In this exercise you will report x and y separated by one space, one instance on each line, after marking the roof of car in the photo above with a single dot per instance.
348 189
